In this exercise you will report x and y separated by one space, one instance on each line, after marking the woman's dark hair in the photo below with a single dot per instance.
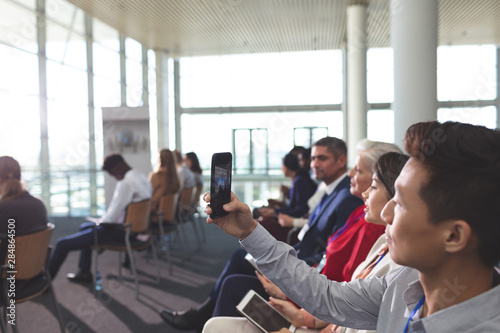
463 183
388 168
10 173
291 161
195 163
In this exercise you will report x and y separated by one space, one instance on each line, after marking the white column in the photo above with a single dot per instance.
357 105
414 39
498 87
162 108
178 110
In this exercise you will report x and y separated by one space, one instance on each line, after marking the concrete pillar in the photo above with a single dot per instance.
162 109
178 110
414 39
357 105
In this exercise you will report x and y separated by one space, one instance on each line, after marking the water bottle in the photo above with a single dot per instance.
98 281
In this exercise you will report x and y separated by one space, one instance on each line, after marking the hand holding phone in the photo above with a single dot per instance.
220 183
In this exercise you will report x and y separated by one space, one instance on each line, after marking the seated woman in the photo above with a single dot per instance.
303 187
165 179
29 213
192 162
377 262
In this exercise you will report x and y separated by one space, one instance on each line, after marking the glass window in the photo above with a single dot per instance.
65 83
20 138
250 151
279 125
466 72
106 62
298 78
306 136
486 116
105 35
380 75
68 135
241 150
18 27
28 3
66 14
106 92
381 125
133 49
19 72
66 46
134 82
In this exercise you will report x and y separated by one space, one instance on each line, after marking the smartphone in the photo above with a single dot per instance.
262 314
220 183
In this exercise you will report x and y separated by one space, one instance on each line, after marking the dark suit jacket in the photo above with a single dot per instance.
332 216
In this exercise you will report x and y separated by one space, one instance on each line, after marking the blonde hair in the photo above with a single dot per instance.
372 150
10 175
168 161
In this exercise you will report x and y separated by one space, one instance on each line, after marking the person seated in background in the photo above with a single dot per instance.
132 186
192 162
329 158
442 227
284 189
165 179
29 213
346 248
377 262
186 176
301 190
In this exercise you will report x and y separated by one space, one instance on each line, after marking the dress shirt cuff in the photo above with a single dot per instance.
258 242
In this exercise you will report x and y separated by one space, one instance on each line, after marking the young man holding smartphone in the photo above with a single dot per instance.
442 224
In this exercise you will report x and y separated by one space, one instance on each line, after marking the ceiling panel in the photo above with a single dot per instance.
212 27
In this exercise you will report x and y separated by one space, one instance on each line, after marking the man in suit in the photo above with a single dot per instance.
328 162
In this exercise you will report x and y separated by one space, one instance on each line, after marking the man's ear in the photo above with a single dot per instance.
458 235
342 159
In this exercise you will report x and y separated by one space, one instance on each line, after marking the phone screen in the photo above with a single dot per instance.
220 183
264 315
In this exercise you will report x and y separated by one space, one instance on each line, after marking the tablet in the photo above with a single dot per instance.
262 314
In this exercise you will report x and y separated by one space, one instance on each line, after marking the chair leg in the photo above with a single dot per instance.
202 227
155 256
2 322
183 230
169 257
120 265
96 264
181 243
56 306
198 240
132 267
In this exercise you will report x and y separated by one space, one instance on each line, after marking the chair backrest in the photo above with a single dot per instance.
196 196
31 252
185 198
138 215
167 206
